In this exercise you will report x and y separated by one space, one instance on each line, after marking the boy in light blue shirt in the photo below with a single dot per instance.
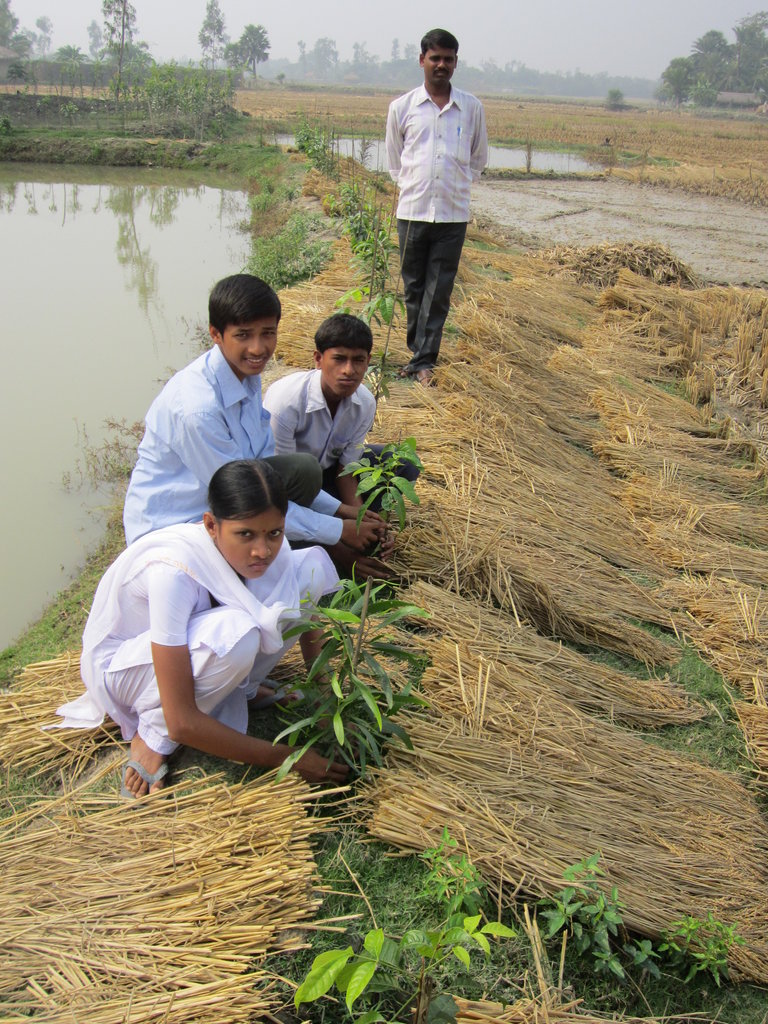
211 413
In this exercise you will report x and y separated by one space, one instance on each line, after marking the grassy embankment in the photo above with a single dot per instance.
394 887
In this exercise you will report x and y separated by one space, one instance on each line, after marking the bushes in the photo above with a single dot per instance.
291 254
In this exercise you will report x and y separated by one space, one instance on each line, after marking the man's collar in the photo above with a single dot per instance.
423 96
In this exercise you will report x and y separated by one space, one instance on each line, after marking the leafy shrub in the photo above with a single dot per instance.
290 255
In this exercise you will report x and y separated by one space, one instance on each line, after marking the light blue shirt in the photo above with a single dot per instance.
204 417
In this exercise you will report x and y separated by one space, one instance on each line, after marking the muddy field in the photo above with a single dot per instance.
722 240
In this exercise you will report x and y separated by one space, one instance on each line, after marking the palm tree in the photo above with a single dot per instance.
254 46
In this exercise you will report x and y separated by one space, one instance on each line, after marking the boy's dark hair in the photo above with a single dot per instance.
239 299
439 39
342 330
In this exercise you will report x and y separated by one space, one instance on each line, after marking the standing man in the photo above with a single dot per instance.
436 147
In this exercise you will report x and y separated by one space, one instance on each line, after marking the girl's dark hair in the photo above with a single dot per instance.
239 299
245 488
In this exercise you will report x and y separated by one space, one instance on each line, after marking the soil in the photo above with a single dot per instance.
723 241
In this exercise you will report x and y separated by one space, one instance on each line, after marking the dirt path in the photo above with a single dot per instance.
722 240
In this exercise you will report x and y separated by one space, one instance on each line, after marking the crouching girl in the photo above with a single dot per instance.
188 622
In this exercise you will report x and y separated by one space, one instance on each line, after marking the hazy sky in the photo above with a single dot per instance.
627 37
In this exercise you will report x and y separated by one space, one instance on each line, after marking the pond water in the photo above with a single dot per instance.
104 293
499 157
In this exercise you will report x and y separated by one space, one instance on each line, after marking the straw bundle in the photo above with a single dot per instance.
599 265
728 622
732 482
480 549
680 546
530 786
535 1011
26 712
110 915
665 500
523 659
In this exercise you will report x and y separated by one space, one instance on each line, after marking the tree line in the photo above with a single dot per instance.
114 42
715 65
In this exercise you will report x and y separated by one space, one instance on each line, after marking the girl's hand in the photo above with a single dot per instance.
315 768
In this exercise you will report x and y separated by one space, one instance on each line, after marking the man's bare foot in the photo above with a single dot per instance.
152 763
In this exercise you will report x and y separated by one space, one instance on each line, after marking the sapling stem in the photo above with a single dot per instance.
361 628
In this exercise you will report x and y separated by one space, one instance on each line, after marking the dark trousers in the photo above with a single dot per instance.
429 255
301 475
407 470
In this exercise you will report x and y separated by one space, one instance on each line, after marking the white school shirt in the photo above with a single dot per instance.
434 155
204 417
301 420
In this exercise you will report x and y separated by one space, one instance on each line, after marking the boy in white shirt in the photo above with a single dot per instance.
327 412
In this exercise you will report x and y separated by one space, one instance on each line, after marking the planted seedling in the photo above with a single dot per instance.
379 480
404 972
350 684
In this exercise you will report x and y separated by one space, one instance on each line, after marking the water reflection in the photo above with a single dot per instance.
107 272
372 154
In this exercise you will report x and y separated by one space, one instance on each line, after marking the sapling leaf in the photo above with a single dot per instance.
291 760
294 727
341 615
374 942
461 954
358 982
370 1017
371 704
442 1009
407 489
338 729
502 931
325 969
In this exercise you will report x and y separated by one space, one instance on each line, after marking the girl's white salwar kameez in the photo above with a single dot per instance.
233 645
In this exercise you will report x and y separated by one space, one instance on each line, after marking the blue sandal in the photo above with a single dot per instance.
148 777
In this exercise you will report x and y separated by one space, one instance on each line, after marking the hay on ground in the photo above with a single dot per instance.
113 912
530 786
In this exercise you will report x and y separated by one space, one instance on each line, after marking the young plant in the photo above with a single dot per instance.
405 970
379 480
700 945
349 685
591 917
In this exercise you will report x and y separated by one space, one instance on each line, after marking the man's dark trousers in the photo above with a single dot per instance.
429 255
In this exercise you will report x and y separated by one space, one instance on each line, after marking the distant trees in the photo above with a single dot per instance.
95 40
615 99
678 78
212 35
715 65
8 23
44 28
251 48
119 25
323 56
